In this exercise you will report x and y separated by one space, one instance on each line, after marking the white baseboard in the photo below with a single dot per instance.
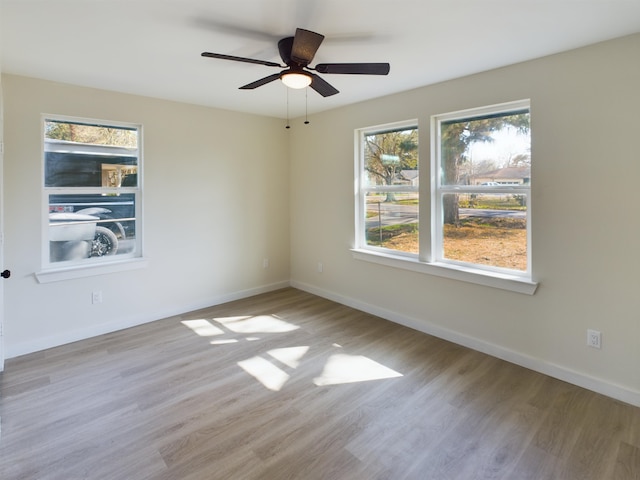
51 341
580 379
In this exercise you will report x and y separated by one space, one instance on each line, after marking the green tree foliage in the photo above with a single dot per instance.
387 154
456 137
92 134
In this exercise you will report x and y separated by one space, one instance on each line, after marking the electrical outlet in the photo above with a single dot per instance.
265 263
594 338
96 297
320 267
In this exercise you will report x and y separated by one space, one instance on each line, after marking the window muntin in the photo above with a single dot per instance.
482 194
389 196
92 193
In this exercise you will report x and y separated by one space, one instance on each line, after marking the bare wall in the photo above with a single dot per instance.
586 232
215 205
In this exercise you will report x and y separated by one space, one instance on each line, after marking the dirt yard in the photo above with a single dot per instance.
499 243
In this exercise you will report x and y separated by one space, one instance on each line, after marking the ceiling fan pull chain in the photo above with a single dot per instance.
306 106
287 125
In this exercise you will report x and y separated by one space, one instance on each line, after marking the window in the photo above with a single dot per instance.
92 195
475 215
483 161
389 193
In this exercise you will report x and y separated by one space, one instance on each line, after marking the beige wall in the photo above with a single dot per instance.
215 205
585 220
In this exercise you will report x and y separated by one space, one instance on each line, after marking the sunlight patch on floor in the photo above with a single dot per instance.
265 372
269 374
342 368
241 324
257 324
224 341
290 356
203 328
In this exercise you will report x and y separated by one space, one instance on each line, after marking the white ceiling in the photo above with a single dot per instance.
152 47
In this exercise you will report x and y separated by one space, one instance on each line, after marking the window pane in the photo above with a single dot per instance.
84 155
490 150
391 158
92 134
91 225
65 169
486 229
392 221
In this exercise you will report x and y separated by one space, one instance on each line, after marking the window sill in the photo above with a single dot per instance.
465 274
82 271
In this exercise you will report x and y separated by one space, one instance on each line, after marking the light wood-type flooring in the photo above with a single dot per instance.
287 385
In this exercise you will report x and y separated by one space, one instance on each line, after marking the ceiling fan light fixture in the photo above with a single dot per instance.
296 79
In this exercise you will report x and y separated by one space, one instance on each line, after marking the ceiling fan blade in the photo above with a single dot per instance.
322 87
305 46
262 81
354 68
241 59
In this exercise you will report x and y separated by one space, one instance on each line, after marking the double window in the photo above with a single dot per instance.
92 193
467 209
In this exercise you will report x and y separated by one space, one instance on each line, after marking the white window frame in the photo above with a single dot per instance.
56 271
430 260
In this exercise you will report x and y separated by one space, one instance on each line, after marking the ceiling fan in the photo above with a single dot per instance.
297 53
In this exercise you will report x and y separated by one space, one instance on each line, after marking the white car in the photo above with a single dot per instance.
74 235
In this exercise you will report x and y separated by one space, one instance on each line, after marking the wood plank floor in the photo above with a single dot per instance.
287 385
